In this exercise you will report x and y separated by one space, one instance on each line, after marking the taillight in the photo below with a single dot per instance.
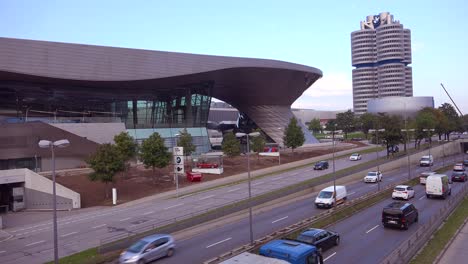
403 220
405 192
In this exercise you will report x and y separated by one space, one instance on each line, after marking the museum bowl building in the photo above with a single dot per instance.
86 93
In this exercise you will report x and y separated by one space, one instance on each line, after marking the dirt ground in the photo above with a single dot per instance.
140 182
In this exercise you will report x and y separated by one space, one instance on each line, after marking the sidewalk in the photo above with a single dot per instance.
458 249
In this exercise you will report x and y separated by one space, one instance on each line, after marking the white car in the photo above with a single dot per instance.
403 192
355 156
373 176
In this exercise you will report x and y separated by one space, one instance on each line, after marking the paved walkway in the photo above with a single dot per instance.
457 252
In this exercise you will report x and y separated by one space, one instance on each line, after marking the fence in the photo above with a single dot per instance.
405 252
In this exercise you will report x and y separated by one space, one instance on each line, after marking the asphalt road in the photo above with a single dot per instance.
220 240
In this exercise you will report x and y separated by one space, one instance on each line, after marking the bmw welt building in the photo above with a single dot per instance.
87 94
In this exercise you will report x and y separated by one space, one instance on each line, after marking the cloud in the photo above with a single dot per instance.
331 85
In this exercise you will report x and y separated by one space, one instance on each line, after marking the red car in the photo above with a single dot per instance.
270 149
206 165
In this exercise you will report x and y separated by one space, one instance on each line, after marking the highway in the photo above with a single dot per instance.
219 240
33 243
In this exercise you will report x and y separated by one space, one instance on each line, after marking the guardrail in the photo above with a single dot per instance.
408 249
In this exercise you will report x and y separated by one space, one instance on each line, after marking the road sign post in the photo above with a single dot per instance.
178 153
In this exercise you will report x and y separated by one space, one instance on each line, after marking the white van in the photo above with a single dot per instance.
438 185
426 161
327 198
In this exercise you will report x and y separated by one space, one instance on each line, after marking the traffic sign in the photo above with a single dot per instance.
179 164
178 151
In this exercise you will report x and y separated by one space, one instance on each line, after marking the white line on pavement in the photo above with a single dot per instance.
147 213
277 178
232 190
69 234
125 219
351 193
227 239
257 183
422 197
372 229
334 253
2 251
372 185
42 241
277 220
173 206
94 227
206 197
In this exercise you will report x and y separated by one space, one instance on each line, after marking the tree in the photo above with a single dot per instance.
315 126
230 145
454 120
346 122
185 141
425 119
105 162
154 154
367 121
392 134
331 125
293 135
127 148
258 143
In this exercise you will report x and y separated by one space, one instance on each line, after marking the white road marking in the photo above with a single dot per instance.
69 234
351 193
277 220
173 206
277 178
334 253
372 185
206 197
222 241
38 242
147 213
232 190
125 219
1 252
372 229
422 197
94 227
257 183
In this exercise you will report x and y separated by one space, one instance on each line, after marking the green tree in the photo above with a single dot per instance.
258 143
154 154
315 126
105 162
367 121
425 119
346 122
127 148
454 120
230 145
293 135
392 134
331 125
185 141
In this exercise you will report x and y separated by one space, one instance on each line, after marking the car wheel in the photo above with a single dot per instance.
170 252
416 219
405 226
337 241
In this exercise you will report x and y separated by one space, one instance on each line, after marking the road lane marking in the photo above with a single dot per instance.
334 253
217 243
277 178
147 213
351 193
422 197
125 219
206 197
372 186
277 220
173 206
372 229
94 227
257 183
232 190
34 243
69 234
1 252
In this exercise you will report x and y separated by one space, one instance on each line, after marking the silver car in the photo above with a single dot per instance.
148 249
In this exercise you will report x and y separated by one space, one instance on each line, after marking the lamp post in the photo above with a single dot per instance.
239 135
429 130
407 149
52 145
333 159
279 147
378 162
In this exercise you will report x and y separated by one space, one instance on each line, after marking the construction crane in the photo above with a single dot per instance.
451 99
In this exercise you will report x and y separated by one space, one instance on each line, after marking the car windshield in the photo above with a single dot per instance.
324 194
137 247
399 189
305 239
424 159
456 173
372 173
354 155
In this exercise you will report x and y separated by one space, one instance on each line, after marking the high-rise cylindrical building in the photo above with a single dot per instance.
381 53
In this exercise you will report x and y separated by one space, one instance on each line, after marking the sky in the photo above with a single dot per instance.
310 32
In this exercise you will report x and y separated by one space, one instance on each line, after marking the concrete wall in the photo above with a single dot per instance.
11 176
62 163
98 132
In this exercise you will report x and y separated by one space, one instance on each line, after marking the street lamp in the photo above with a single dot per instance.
430 144
239 135
407 149
63 143
333 159
378 162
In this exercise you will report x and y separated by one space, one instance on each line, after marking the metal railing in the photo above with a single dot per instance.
408 249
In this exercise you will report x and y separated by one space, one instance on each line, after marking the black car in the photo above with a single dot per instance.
399 214
321 165
322 239
459 176
465 163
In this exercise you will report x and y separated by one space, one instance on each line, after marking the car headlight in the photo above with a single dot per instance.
123 253
133 258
